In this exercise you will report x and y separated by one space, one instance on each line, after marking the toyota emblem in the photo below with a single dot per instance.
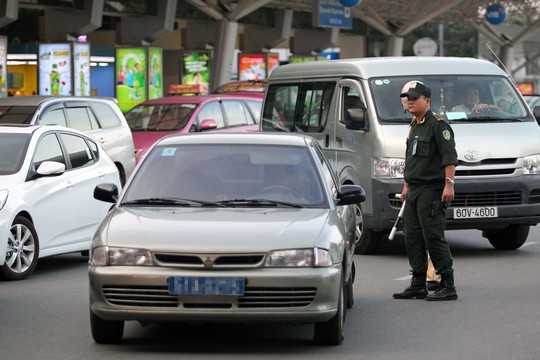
471 155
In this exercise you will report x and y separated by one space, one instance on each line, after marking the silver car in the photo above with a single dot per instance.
99 117
226 227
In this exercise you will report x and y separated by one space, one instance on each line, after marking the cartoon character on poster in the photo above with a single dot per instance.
155 81
131 77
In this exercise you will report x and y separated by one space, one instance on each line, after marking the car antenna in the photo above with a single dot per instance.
502 64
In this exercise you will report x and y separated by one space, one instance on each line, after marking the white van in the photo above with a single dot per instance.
353 108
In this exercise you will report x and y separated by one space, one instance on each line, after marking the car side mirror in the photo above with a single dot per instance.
355 119
106 192
208 124
536 113
351 194
48 168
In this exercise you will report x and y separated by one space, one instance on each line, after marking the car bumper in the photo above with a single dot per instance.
273 295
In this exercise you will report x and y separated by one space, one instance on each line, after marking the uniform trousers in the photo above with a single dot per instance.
424 226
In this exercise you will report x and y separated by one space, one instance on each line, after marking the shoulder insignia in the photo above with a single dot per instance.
438 117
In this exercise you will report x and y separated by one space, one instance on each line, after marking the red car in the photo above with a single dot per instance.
154 119
242 86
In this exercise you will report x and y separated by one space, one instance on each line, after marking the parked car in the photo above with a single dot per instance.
100 117
154 119
47 178
226 227
242 87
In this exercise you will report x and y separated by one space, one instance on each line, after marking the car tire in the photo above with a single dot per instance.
350 288
331 332
104 331
510 238
22 252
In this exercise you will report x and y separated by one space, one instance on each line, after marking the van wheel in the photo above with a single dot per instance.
510 238
367 241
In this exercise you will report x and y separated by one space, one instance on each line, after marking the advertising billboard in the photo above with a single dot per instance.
155 73
54 69
3 67
81 69
251 66
131 77
195 69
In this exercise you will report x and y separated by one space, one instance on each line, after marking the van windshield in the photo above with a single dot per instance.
457 98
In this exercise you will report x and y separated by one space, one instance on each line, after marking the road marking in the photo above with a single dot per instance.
408 277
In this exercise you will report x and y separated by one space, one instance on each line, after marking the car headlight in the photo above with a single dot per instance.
299 258
531 165
388 168
3 198
114 256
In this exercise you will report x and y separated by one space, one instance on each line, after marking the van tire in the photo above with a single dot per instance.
509 238
369 242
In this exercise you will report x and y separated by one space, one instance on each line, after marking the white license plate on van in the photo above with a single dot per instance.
479 212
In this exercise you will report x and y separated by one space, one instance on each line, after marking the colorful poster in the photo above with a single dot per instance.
273 62
196 69
3 67
155 73
81 69
54 69
131 64
251 66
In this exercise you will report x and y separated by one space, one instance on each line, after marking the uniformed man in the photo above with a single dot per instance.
430 163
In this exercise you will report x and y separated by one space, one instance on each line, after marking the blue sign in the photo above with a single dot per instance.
350 3
495 14
330 13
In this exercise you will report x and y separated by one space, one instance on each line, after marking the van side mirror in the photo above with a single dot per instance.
355 119
536 113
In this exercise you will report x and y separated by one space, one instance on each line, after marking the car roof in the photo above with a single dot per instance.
197 99
37 100
255 138
29 129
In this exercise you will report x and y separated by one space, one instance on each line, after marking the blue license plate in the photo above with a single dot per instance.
206 285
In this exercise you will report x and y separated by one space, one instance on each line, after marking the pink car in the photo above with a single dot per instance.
154 119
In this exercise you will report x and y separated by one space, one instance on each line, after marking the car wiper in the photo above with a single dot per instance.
257 202
171 201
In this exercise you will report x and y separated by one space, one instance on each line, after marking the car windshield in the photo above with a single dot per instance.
159 117
463 98
16 114
227 175
13 148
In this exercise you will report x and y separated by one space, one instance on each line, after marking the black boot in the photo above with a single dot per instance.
417 289
446 290
432 285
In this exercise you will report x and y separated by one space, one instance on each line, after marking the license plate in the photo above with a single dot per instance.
206 285
475 212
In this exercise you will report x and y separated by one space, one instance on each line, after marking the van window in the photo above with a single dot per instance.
494 98
79 118
298 107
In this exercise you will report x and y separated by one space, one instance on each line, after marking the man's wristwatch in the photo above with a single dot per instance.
449 181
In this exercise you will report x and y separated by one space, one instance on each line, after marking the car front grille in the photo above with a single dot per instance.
499 198
207 260
254 297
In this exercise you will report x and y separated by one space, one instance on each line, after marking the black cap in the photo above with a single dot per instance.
416 88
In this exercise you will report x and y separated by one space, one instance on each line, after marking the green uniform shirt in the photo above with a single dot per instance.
430 147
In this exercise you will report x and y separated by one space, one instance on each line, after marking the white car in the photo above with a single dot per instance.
47 179
226 227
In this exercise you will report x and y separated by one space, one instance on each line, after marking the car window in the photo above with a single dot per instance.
106 116
13 150
48 149
211 110
16 114
78 151
255 109
53 117
79 118
235 112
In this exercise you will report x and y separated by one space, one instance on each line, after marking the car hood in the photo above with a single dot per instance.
7 181
211 230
